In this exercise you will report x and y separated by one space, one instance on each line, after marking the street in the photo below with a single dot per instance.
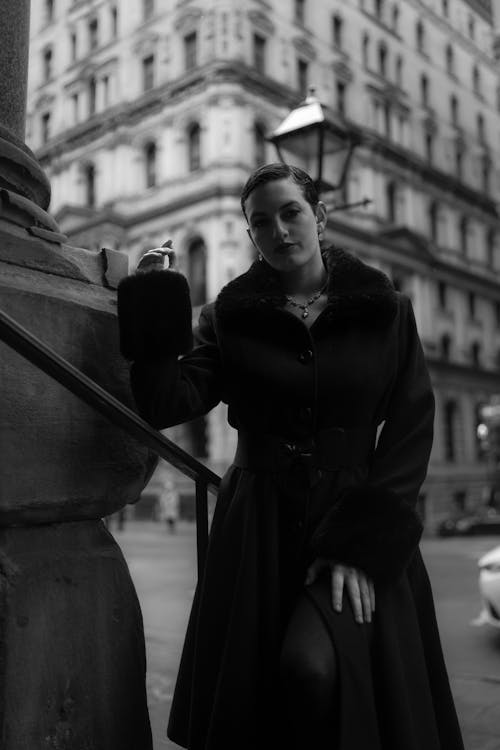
163 567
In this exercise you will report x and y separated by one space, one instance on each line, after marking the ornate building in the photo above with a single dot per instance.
148 116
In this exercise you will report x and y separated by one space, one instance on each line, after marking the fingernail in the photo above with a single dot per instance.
360 620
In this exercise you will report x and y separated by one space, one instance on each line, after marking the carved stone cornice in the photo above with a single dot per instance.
188 20
304 47
261 22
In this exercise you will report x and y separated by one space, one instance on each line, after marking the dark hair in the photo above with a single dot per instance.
279 171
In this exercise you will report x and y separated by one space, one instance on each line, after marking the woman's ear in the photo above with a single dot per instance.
321 216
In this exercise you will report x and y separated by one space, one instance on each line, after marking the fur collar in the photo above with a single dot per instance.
357 293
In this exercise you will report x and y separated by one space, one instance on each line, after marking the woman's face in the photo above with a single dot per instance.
283 226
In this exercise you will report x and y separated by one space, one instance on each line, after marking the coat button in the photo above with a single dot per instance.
305 356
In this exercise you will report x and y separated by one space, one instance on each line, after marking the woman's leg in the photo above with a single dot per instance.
308 681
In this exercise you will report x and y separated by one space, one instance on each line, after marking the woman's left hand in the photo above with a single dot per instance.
359 587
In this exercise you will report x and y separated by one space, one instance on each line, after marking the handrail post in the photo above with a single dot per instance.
201 525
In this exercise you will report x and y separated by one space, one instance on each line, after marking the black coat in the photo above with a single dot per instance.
360 366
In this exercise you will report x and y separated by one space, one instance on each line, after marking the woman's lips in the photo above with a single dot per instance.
281 249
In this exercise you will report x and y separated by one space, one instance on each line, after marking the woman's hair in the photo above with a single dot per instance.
279 171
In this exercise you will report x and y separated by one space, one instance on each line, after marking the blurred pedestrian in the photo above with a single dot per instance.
168 504
313 625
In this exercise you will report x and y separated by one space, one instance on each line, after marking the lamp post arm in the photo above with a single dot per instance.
345 206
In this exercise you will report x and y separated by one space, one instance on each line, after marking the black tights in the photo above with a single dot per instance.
308 681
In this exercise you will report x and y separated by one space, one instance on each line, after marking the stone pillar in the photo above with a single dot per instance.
72 656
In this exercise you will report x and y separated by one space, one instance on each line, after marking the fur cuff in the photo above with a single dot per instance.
371 529
154 313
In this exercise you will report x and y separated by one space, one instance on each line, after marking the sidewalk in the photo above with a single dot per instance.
163 568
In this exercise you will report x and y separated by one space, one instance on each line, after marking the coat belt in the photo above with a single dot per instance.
330 449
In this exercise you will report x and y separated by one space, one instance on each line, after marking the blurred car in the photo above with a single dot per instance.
483 521
489 586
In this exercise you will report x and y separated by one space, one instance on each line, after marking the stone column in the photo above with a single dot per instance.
72 656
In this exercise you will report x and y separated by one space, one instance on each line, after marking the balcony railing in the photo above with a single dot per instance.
47 360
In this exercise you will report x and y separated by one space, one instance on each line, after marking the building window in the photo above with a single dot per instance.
302 76
387 119
391 196
338 29
399 71
490 251
475 354
424 90
148 72
445 347
445 7
450 416
49 11
433 221
472 27
148 8
379 9
47 63
197 273
89 178
460 500
476 80
472 305
93 33
454 110
194 155
463 231
260 144
382 59
485 173
300 11
366 51
442 295
259 53
150 164
395 18
75 99
114 22
92 96
105 90
45 127
498 98
450 60
73 45
481 449
429 147
420 37
341 89
480 129
191 50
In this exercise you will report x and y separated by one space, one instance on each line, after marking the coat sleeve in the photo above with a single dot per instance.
172 380
376 526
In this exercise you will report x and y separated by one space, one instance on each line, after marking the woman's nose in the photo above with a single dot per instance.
279 229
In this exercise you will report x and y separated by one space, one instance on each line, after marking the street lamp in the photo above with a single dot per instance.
316 139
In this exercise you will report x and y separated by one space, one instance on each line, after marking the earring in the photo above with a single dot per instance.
261 257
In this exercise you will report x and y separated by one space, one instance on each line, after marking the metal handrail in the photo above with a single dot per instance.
47 360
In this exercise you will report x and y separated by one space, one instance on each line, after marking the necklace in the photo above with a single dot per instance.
305 306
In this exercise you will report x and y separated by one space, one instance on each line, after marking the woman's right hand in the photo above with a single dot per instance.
157 259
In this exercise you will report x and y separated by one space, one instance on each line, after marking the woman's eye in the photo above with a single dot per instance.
291 213
259 223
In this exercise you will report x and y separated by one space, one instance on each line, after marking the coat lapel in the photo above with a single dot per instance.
358 294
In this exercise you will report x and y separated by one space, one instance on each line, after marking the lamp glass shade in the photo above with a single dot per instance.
313 138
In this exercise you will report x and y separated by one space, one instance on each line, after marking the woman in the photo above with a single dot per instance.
313 625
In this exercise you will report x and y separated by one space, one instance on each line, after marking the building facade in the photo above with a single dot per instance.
148 117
